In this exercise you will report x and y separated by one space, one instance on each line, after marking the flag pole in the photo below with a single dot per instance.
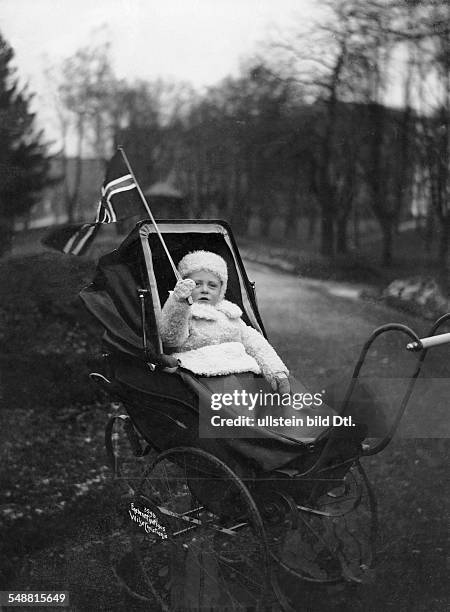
147 208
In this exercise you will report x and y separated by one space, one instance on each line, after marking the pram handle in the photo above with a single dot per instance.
423 348
371 339
428 342
431 340
409 389
344 409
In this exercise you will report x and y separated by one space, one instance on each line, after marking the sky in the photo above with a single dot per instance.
199 41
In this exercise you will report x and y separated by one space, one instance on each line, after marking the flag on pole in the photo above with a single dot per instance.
74 239
120 199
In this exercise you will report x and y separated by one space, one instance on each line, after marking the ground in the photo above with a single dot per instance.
55 484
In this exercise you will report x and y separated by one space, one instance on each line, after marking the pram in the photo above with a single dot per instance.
241 510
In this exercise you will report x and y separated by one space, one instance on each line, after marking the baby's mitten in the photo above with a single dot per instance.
281 383
184 288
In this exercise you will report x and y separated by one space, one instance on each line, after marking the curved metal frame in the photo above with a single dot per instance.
401 410
388 437
423 353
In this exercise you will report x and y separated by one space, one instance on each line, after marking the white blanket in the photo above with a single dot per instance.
218 360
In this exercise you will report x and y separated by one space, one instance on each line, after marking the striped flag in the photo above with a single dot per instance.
72 239
119 199
120 196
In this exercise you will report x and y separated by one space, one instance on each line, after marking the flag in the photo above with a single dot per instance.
120 196
119 199
72 239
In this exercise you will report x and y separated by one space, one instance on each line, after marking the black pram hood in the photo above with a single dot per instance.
113 295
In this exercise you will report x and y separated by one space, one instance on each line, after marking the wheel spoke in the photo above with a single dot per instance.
221 555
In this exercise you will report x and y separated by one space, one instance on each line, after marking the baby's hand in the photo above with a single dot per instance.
282 383
184 288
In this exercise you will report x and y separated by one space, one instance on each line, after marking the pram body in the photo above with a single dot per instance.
304 505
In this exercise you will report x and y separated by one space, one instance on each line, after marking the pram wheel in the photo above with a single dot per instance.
327 539
204 544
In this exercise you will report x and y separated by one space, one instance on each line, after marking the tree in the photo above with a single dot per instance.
432 43
24 165
147 122
234 141
84 89
421 28
329 65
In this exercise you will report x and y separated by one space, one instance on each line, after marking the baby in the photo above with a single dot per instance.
208 336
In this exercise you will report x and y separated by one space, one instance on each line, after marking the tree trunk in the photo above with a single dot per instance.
444 240
72 197
312 218
387 244
429 231
327 234
356 228
342 238
266 223
240 219
294 207
290 227
326 187
6 235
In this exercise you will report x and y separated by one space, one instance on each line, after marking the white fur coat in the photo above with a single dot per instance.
213 340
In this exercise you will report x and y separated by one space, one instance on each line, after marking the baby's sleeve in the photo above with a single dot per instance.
174 324
264 354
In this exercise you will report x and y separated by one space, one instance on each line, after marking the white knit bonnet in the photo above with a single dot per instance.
205 260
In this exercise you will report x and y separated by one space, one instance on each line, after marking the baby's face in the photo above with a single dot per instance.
207 287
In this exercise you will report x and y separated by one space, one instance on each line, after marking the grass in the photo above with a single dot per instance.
51 417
